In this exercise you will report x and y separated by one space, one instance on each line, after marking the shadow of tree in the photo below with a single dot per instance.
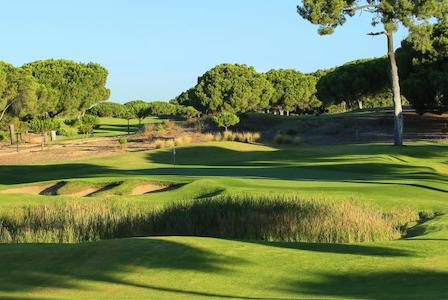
36 173
365 250
26 267
413 284
285 164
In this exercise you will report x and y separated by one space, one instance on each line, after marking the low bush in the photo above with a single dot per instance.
67 131
4 135
123 141
287 139
282 138
85 129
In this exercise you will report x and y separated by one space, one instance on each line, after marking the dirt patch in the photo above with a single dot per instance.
147 188
43 189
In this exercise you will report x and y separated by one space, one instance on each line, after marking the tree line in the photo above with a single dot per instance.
236 88
140 109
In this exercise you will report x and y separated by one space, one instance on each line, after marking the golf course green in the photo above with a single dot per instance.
188 267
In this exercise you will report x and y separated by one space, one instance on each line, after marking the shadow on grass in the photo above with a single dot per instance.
286 164
340 248
416 284
63 265
37 173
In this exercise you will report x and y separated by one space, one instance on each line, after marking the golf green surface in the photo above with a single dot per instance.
199 267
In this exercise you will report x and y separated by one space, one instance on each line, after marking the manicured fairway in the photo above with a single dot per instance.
199 267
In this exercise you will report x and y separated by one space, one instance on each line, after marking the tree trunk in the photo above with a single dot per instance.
360 106
398 108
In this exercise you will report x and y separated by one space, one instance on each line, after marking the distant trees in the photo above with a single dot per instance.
108 109
239 88
356 83
415 15
233 88
424 67
293 91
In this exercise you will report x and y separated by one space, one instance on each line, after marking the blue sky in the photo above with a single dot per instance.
156 49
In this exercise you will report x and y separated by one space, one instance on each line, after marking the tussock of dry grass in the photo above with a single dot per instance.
272 218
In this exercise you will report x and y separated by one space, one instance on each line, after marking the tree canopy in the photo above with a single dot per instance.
355 83
226 120
233 88
425 69
292 91
72 87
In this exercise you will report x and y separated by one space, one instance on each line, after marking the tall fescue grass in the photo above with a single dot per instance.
73 221
242 137
283 218
271 218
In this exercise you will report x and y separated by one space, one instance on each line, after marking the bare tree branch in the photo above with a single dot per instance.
377 33
353 9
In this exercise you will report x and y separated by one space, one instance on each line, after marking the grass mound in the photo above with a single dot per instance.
274 218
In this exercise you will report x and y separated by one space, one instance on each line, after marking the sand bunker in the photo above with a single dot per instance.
52 189
147 188
84 193
33 189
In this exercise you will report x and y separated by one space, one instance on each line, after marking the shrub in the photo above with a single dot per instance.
85 129
72 122
282 138
123 141
4 135
91 120
43 126
445 129
297 141
67 131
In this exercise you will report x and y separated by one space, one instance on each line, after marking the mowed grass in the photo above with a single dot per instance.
117 126
193 267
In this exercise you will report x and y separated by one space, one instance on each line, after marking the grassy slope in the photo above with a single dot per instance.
187 267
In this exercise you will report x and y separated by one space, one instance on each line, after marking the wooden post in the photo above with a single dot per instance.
12 135
53 135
